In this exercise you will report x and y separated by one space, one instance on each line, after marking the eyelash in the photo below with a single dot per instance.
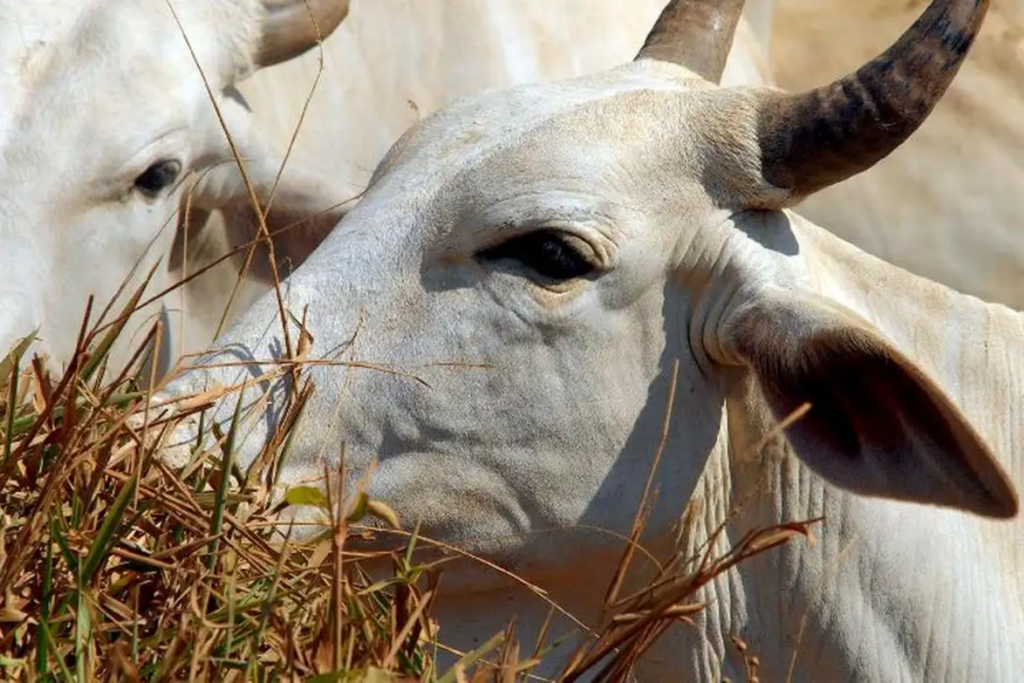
545 252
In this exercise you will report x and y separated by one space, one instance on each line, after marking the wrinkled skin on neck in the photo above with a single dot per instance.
515 418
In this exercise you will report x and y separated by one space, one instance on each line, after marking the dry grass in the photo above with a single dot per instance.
113 567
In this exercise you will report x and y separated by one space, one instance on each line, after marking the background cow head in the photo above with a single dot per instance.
111 110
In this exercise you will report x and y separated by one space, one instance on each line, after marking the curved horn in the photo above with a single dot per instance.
815 139
696 34
289 30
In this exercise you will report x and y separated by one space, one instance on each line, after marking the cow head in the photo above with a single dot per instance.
528 265
110 111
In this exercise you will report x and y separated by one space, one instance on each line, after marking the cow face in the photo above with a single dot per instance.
501 319
108 109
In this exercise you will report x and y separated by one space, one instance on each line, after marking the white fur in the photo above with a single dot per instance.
94 93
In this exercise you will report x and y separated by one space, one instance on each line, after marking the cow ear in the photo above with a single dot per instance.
877 425
304 207
298 220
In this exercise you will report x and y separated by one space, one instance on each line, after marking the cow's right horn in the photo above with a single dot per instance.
811 140
289 28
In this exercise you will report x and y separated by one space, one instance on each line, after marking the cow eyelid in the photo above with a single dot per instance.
547 252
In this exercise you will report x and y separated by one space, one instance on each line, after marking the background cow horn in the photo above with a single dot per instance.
696 34
815 139
288 29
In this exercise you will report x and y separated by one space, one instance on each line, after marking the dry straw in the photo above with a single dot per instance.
114 567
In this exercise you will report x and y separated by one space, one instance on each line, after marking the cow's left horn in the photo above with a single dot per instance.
696 34
289 28
811 140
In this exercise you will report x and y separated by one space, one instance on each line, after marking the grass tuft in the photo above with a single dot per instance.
113 567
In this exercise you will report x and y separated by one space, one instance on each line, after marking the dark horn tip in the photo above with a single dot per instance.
812 140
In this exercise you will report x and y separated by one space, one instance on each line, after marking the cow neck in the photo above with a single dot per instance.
816 609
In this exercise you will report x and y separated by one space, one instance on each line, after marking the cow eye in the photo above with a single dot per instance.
547 252
158 177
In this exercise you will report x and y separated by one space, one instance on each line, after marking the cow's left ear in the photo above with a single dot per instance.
303 209
877 425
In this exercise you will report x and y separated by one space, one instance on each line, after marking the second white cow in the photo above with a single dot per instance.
104 118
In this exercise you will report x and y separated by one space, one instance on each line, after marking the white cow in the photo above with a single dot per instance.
393 62
539 257
103 114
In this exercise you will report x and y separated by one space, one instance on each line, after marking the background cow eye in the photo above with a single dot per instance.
546 252
158 177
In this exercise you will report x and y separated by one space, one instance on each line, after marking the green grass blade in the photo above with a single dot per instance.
45 599
101 351
101 546
52 644
229 636
332 677
9 663
217 521
58 530
13 359
83 636
12 408
473 657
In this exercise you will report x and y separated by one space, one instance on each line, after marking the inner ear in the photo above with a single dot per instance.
297 225
304 207
878 425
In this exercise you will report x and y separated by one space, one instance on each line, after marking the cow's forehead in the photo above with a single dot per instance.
29 31
500 115
577 152
489 144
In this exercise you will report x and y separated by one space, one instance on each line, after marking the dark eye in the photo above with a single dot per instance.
158 177
545 251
